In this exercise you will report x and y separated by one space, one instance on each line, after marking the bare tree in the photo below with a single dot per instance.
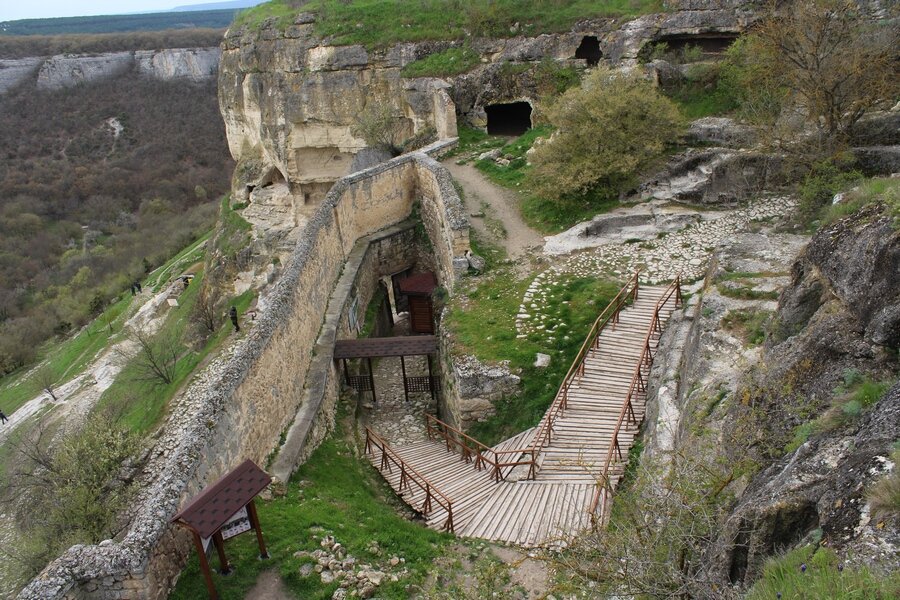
379 128
46 377
205 314
655 541
824 64
156 359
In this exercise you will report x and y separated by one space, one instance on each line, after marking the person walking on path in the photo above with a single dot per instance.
234 320
137 286
3 417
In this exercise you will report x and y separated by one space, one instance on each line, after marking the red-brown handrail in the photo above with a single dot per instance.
484 455
409 475
638 385
610 314
469 447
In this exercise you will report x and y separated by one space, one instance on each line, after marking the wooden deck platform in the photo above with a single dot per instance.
553 507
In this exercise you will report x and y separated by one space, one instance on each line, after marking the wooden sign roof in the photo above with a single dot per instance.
209 510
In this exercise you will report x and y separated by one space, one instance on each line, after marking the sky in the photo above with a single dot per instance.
33 9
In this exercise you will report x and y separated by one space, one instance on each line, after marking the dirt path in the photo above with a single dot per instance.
497 204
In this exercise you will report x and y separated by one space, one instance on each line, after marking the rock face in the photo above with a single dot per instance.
66 70
859 260
291 101
477 388
820 486
291 104
196 64
14 72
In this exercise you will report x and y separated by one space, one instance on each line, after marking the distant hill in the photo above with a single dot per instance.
187 19
232 5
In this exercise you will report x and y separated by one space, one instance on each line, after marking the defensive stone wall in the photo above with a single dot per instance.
238 405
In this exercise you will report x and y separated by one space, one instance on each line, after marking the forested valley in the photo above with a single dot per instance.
98 184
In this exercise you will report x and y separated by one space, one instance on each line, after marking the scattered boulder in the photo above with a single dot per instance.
721 131
542 361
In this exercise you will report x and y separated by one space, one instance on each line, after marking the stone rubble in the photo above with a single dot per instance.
356 579
686 251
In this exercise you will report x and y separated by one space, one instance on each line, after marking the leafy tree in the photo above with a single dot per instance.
608 128
817 65
377 125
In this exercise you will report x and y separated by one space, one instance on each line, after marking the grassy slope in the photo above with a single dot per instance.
378 23
142 404
482 322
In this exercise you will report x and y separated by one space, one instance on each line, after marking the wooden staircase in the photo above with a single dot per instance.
573 456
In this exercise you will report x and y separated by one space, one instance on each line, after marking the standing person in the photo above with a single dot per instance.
3 418
137 284
132 290
234 320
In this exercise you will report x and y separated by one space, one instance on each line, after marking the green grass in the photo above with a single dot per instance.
745 288
821 579
878 188
142 404
379 23
451 61
857 393
337 491
484 325
65 359
474 141
191 255
748 324
699 95
546 216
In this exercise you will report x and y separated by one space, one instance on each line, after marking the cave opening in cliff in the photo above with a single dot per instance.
589 50
676 47
508 119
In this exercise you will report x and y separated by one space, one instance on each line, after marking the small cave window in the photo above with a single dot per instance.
589 50
508 119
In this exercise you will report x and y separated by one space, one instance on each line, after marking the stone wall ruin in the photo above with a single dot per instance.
238 405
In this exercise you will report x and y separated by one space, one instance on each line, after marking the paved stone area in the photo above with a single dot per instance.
686 251
392 417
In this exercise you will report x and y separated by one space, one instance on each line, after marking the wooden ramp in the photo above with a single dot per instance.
570 455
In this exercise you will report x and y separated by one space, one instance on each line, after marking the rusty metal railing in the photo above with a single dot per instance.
604 490
409 476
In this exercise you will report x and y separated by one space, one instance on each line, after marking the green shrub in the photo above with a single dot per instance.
607 129
822 182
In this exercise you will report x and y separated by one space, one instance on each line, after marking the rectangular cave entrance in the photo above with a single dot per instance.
508 119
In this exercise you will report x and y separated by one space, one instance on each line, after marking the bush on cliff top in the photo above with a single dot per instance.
378 23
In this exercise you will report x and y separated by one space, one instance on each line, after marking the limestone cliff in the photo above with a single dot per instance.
66 70
781 421
291 100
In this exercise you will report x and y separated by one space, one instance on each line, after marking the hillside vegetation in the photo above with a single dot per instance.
378 23
98 185
119 23
48 45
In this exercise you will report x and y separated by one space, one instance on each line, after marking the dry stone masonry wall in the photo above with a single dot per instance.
237 406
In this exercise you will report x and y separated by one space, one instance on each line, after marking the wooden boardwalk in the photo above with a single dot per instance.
556 505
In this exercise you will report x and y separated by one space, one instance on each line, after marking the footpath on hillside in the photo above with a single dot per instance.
497 206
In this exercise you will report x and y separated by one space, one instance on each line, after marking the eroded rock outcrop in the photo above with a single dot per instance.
67 70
